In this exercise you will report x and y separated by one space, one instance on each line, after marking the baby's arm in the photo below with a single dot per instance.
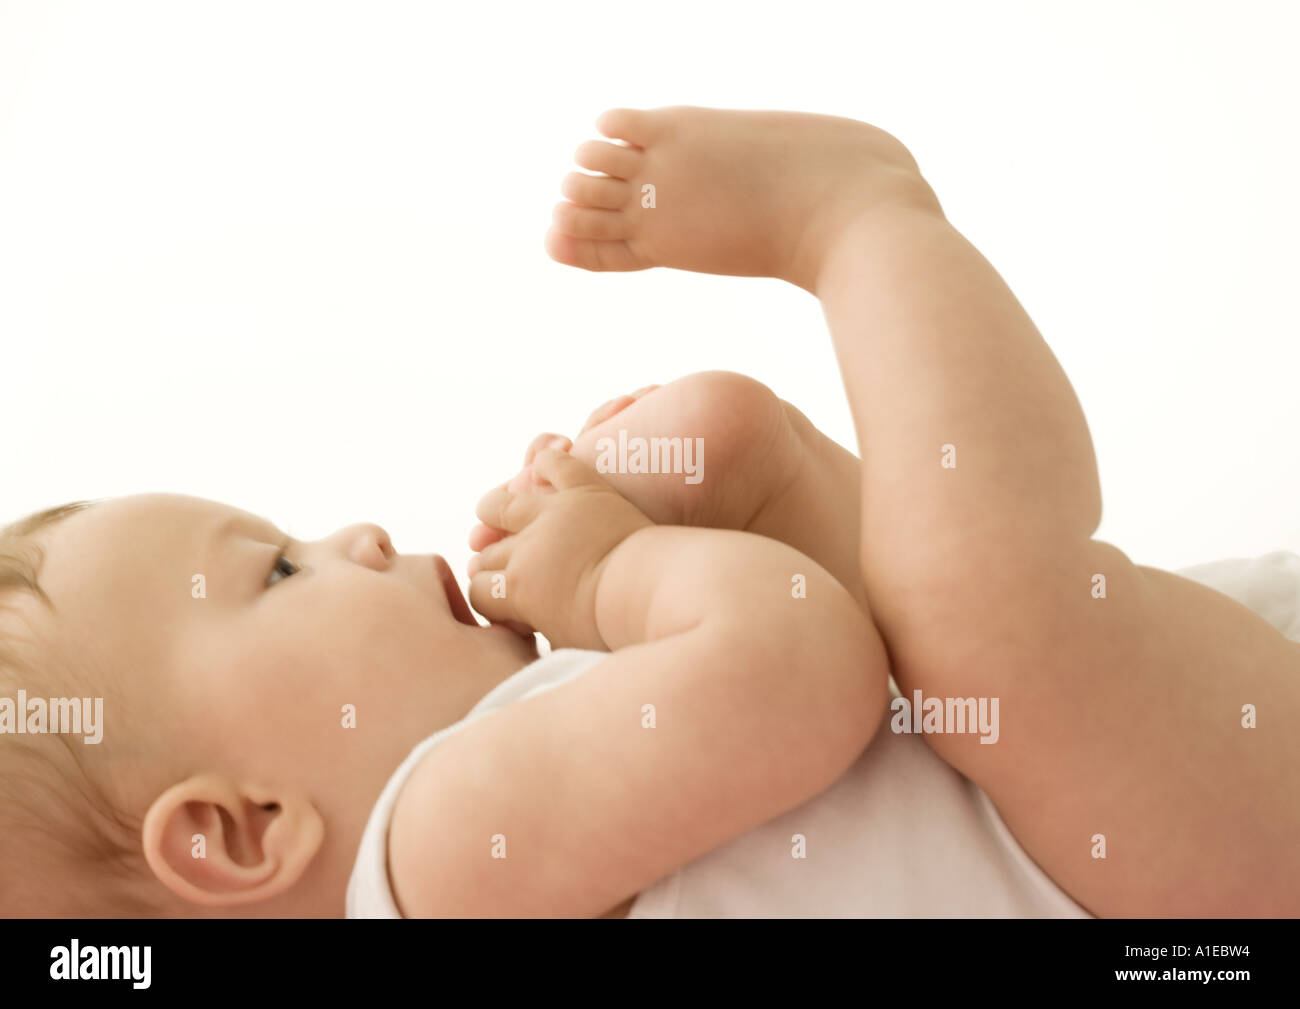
760 701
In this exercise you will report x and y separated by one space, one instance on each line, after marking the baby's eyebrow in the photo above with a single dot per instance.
234 524
227 530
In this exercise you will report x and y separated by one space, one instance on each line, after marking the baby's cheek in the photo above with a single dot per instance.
387 631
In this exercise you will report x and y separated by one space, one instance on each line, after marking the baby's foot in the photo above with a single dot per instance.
765 468
745 449
747 193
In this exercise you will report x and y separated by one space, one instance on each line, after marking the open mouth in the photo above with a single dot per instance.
455 599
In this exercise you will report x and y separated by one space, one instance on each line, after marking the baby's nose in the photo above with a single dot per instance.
370 545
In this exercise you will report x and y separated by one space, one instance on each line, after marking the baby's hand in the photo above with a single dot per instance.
560 525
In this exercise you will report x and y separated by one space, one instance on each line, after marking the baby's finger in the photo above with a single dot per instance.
502 508
493 557
489 594
544 440
562 470
481 535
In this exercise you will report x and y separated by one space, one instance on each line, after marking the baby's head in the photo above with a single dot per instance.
258 696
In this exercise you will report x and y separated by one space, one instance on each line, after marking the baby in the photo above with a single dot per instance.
713 732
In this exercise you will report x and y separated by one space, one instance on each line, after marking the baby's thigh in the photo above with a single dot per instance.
1147 757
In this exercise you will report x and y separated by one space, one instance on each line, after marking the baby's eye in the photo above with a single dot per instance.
284 568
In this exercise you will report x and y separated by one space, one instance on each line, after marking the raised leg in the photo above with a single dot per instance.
1126 694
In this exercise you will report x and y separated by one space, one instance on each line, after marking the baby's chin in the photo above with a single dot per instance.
527 644
524 645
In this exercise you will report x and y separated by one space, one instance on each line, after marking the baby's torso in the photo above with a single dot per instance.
899 834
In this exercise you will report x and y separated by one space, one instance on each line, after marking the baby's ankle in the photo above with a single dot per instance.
841 219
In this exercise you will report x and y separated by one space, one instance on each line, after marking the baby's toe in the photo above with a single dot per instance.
612 159
589 222
636 126
592 254
546 439
596 191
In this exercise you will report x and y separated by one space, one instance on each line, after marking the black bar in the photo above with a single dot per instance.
377 960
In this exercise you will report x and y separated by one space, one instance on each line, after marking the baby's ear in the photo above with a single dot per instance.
215 841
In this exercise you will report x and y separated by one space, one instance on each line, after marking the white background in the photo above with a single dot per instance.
289 255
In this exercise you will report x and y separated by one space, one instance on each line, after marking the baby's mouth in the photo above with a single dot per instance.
459 607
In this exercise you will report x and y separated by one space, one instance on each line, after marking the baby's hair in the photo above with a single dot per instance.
64 849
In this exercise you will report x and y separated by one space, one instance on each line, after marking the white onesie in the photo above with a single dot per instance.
899 834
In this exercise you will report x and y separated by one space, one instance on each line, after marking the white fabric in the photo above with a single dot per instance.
1268 584
900 834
